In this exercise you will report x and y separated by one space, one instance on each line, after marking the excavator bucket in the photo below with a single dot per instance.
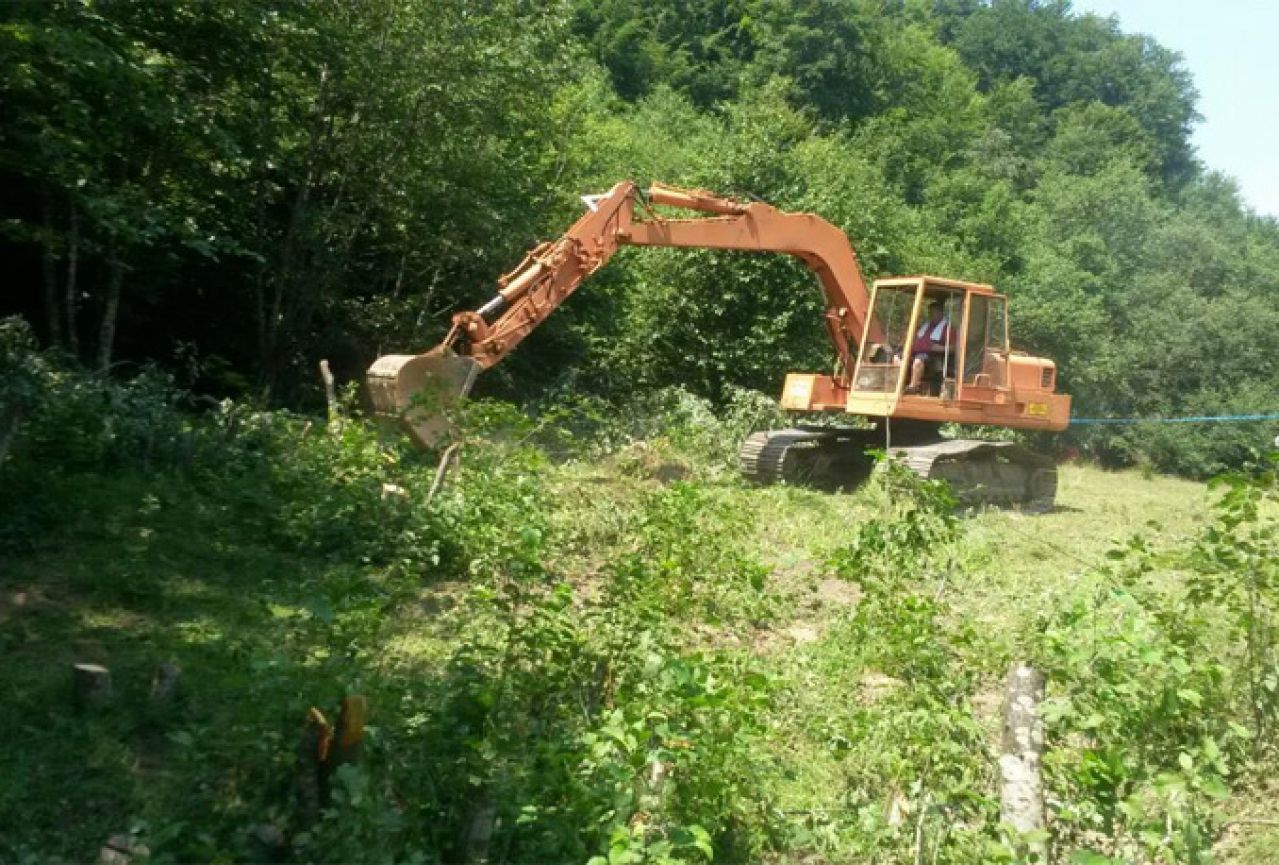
415 390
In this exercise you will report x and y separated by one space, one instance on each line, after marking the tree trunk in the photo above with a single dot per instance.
288 279
10 420
73 267
330 393
52 315
106 335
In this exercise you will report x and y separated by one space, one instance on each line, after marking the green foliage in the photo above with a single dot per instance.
1013 142
218 194
1237 569
1163 695
607 692
1147 744
915 769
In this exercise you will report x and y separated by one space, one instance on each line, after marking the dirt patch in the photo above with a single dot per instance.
769 641
790 569
988 709
643 460
803 633
1251 834
823 601
874 687
440 598
838 593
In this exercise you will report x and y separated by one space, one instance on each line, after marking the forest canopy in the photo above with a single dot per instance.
232 191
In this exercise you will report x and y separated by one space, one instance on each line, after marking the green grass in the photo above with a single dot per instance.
152 569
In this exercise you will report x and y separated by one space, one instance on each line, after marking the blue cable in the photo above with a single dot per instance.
1113 421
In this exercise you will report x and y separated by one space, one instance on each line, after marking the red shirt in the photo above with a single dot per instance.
929 333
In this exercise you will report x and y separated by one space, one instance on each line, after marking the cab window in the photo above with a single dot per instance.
986 341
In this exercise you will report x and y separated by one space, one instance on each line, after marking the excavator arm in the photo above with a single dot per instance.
415 387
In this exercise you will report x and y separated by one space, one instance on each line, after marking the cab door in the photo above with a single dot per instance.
984 372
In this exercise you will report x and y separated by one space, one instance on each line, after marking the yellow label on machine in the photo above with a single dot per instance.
798 393
1037 409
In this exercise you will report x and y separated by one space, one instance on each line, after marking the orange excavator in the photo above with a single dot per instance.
912 353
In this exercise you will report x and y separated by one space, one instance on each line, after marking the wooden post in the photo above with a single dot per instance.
92 684
1021 784
450 454
348 735
330 391
164 682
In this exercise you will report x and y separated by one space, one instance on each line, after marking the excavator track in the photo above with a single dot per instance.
982 472
979 472
823 458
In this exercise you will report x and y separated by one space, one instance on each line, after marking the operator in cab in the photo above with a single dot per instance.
935 339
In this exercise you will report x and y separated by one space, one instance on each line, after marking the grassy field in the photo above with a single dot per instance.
845 685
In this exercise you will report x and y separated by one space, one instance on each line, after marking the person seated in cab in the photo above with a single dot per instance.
934 341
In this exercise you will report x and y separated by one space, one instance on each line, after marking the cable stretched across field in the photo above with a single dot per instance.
1223 418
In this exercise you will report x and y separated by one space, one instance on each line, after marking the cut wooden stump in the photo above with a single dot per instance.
92 686
1021 783
122 850
164 683
268 842
348 735
309 779
324 748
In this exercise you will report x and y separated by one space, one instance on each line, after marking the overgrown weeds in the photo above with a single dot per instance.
581 683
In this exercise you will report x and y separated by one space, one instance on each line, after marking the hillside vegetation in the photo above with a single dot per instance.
590 641
596 644
235 190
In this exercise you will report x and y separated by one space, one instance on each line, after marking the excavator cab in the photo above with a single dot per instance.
917 352
914 339
937 350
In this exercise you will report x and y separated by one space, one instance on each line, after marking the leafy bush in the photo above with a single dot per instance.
916 770
1159 696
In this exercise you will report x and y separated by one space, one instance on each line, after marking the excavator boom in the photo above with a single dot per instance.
417 388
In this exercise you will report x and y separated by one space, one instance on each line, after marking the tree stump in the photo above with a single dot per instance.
164 683
92 686
312 749
325 747
122 850
348 735
268 843
1021 784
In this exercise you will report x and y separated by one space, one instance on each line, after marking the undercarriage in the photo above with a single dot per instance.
979 472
